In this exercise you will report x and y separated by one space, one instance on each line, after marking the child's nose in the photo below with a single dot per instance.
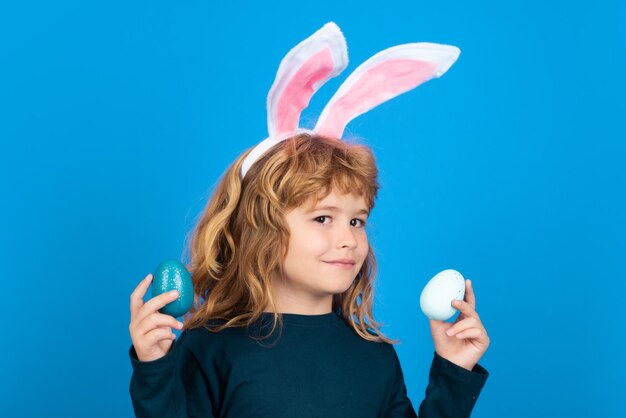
346 238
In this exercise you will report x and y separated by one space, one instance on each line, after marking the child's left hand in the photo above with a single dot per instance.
468 340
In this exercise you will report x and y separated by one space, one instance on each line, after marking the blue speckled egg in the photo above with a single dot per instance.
438 294
173 275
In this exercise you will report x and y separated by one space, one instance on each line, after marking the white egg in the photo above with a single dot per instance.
438 294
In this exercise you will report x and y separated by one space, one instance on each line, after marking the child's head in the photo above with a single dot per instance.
258 237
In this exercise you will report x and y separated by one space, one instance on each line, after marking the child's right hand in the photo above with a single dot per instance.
150 330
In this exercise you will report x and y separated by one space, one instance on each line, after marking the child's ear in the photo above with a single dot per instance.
384 76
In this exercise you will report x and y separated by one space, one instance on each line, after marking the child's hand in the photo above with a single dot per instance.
149 329
468 340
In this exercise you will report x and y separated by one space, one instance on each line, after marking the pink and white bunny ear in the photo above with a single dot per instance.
384 76
304 69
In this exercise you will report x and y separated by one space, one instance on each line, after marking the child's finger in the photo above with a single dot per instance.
157 320
465 308
136 298
470 297
470 333
463 325
157 302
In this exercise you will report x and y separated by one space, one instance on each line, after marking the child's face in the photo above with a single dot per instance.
317 237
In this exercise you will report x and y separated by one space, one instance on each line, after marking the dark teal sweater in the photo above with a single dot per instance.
317 367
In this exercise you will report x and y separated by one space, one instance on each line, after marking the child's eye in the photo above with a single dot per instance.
320 217
326 216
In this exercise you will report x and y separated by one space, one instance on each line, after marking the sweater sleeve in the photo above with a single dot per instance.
171 386
452 390
451 393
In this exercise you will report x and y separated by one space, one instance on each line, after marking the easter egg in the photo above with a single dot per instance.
173 275
438 294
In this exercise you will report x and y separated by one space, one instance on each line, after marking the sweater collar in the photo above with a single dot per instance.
301 319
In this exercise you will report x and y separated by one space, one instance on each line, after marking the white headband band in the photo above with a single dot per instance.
324 55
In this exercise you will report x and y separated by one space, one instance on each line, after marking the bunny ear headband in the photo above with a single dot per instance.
324 55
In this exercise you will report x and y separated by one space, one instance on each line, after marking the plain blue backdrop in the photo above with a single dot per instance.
118 118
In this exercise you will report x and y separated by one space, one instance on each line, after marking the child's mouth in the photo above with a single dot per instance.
342 265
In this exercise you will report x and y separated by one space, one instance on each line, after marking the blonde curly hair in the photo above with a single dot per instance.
234 247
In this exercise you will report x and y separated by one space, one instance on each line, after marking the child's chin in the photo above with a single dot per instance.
340 287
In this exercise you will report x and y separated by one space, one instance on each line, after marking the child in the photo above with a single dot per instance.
282 323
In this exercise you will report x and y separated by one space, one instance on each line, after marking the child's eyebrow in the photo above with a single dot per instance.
336 209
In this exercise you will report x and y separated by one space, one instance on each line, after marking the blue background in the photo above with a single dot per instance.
117 119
